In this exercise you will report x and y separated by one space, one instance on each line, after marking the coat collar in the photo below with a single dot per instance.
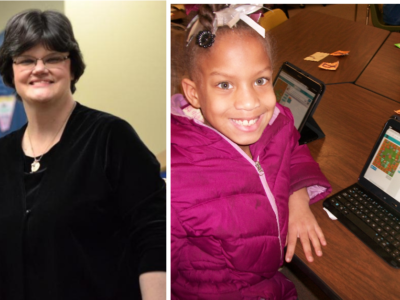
278 121
178 103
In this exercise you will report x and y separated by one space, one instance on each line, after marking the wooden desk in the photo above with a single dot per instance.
383 73
352 119
309 32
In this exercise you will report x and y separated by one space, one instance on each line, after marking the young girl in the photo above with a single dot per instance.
241 184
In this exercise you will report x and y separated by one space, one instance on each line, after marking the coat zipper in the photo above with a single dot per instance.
263 179
271 198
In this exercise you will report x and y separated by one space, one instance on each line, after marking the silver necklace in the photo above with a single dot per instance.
36 160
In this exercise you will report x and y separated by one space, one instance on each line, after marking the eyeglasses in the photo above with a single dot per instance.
50 61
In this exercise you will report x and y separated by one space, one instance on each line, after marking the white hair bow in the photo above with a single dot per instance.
230 16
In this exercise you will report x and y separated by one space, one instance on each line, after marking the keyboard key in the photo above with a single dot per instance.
394 253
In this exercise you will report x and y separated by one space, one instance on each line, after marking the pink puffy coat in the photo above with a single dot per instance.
229 214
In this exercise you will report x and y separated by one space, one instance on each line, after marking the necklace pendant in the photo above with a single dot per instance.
35 166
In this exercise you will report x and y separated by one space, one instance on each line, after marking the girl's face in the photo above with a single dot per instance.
233 88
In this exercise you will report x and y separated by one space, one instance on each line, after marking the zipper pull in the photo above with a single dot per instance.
259 169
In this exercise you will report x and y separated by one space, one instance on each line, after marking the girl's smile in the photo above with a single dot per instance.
248 124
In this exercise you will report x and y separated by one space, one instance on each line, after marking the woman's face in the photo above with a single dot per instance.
234 88
42 83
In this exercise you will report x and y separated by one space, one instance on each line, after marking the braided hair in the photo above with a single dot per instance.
206 16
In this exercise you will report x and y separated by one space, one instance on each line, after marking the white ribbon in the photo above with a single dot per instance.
229 17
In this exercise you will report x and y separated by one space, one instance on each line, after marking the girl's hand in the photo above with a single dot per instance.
303 225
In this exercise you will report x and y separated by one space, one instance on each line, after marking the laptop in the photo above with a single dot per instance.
370 208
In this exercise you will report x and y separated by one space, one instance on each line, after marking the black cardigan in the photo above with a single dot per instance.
98 221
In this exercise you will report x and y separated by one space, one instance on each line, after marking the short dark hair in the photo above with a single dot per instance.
49 28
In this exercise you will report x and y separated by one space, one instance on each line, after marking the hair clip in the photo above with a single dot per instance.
205 38
228 16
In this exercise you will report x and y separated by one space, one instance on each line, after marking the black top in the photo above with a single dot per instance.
96 220
32 180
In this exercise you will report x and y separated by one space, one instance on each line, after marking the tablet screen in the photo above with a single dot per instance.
293 94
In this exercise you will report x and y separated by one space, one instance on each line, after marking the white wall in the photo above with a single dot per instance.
10 8
124 48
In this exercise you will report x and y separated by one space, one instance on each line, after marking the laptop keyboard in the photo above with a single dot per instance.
372 223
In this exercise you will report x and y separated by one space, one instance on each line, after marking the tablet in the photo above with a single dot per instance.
298 91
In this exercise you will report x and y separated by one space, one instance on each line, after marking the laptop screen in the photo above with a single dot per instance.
294 95
383 170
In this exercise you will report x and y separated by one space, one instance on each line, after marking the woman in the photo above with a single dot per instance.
82 205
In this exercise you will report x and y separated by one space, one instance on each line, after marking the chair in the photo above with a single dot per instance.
272 18
377 19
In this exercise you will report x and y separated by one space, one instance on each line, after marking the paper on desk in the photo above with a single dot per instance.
340 53
329 66
317 56
330 215
397 45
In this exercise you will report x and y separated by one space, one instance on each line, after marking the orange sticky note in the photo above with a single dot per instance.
340 53
329 66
